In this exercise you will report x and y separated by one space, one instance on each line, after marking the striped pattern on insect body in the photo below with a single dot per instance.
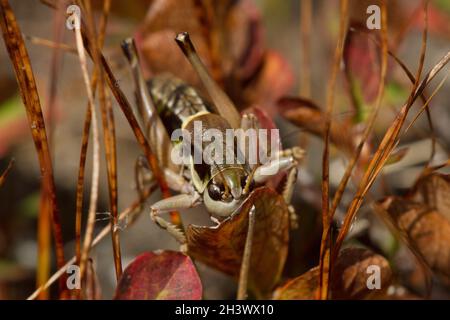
221 186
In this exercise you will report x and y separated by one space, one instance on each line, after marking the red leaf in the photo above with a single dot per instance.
160 275
361 57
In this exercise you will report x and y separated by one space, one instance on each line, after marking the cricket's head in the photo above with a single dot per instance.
225 191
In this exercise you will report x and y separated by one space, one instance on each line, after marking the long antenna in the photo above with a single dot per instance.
222 103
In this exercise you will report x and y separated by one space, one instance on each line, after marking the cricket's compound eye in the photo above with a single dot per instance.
214 192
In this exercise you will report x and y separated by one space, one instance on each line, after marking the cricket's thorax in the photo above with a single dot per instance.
230 173
219 182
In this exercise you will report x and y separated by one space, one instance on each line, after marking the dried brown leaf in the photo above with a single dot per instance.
348 281
305 114
425 228
396 156
222 246
304 287
434 191
350 274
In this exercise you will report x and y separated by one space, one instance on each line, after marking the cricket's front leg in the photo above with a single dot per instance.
178 202
287 160
144 176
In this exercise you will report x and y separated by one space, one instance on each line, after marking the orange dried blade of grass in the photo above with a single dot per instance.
382 154
349 169
114 184
425 105
140 137
95 158
124 215
154 128
413 80
24 74
424 99
80 179
84 145
429 170
44 244
108 134
114 188
6 172
324 262
384 215
365 183
126 109
44 228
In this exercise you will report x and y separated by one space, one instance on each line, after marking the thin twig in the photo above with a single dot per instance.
425 105
44 228
246 258
108 131
84 147
25 78
128 215
325 244
96 151
349 169
132 121
6 172
383 152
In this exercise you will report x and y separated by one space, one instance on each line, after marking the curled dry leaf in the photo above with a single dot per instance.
348 281
304 287
228 37
396 156
351 273
222 246
162 275
434 191
425 229
423 217
305 114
